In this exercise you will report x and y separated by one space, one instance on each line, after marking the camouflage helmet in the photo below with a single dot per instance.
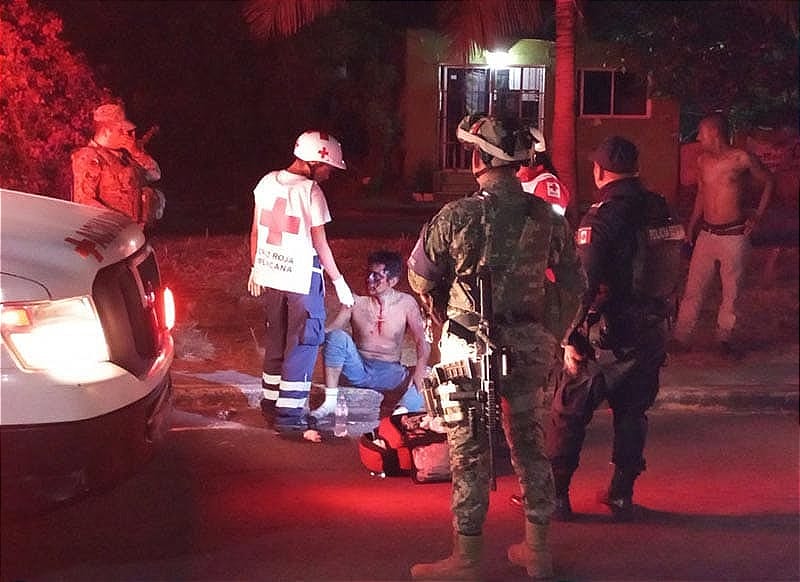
506 141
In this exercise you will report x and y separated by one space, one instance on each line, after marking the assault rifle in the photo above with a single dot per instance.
444 391
492 361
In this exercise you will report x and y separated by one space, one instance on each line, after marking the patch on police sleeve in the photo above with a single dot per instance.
584 235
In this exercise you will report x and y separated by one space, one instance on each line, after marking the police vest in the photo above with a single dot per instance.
657 261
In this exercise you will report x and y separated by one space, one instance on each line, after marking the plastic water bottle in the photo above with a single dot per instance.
341 414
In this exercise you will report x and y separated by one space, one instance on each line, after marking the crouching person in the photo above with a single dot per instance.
370 358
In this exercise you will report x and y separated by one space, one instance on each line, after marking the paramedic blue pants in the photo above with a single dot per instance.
389 378
295 328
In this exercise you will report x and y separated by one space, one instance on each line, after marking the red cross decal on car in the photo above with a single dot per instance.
85 248
279 222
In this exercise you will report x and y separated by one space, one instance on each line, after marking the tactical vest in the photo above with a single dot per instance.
657 261
516 249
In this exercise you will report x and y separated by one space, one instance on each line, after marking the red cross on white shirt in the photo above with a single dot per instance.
279 222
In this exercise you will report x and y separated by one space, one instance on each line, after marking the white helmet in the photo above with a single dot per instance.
538 140
318 146
503 139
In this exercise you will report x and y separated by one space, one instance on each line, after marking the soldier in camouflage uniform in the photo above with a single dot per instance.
536 280
113 171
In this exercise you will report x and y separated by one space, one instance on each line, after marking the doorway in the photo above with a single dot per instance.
500 91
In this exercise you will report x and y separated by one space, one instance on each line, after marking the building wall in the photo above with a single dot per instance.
657 136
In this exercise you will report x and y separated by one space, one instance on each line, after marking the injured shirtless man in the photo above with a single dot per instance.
724 238
370 358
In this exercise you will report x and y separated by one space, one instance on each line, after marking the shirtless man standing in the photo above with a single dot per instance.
724 236
371 357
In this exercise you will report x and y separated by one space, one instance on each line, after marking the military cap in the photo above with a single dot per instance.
112 114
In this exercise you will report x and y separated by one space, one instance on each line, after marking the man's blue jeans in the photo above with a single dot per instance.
340 351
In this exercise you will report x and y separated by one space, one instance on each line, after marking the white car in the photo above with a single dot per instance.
86 350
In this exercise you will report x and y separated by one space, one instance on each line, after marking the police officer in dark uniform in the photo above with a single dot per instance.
615 346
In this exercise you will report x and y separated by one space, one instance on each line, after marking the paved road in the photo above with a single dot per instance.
223 501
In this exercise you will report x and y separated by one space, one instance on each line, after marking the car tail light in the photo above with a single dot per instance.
169 308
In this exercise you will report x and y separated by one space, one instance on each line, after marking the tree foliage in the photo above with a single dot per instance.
740 58
47 94
343 73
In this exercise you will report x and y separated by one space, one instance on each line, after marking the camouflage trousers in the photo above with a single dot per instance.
531 355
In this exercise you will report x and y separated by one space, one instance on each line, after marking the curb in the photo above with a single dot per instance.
781 398
744 398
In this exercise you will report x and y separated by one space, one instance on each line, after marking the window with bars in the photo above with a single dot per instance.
506 91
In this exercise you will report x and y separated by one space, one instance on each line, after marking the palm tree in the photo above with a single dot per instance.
563 137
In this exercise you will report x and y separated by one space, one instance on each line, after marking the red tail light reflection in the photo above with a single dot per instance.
169 308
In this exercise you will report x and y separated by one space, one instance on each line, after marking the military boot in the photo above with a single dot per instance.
619 495
533 553
463 564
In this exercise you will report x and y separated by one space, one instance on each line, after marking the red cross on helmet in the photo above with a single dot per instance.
318 146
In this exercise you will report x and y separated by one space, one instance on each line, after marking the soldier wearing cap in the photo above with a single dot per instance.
114 172
627 336
523 243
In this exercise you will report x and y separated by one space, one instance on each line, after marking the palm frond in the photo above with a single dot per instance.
282 18
489 23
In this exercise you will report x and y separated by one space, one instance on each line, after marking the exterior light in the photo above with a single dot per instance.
497 58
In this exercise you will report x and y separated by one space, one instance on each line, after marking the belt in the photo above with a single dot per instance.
730 229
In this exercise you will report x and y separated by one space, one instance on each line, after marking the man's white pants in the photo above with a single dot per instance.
732 252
